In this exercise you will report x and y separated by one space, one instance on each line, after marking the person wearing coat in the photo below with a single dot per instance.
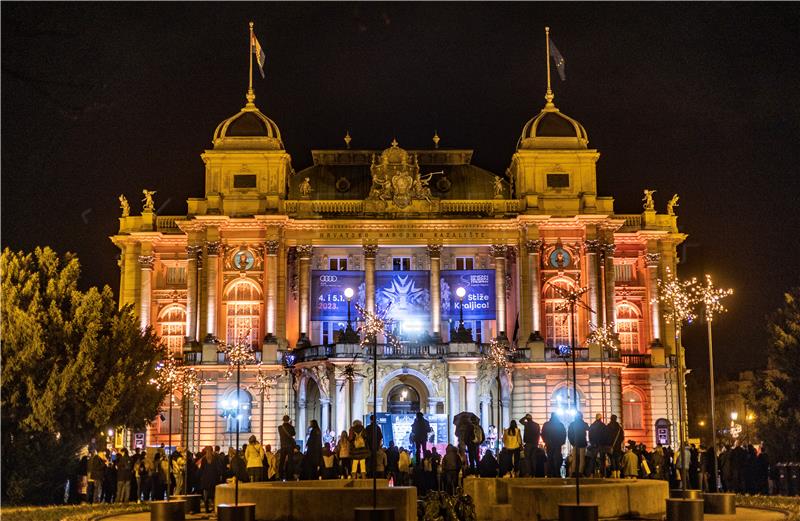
577 432
312 461
615 435
359 449
287 433
512 441
554 435
209 476
530 435
343 453
467 424
419 436
488 466
597 447
630 464
254 456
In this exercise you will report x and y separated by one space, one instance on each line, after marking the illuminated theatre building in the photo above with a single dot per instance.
267 254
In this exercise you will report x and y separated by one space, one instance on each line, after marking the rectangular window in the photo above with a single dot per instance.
465 263
476 326
401 263
557 180
623 272
244 181
329 331
337 263
176 275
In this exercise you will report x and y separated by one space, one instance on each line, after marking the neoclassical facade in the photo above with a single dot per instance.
265 255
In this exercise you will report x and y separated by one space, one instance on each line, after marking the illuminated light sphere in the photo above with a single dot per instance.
461 292
734 416
348 293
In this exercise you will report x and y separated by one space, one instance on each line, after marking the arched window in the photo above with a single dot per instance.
172 328
233 408
628 328
243 312
562 403
632 410
556 316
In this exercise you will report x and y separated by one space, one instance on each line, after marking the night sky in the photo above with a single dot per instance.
702 100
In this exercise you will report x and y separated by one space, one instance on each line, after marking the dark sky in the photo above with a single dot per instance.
700 99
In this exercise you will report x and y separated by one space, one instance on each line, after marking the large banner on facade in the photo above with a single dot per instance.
327 294
407 292
397 428
479 301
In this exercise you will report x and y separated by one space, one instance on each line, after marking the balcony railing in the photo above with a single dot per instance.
637 360
553 354
406 350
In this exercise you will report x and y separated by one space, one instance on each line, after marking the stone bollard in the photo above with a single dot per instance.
685 510
719 503
582 512
677 493
192 502
172 510
240 512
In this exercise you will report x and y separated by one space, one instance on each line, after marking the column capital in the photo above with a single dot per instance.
592 245
304 251
193 251
498 250
146 262
608 248
325 401
651 259
370 250
534 246
434 251
271 247
213 247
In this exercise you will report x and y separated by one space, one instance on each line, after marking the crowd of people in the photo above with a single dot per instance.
528 450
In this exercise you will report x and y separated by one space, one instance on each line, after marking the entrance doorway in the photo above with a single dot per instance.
403 399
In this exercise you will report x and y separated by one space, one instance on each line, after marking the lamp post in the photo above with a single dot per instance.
604 338
677 297
350 335
169 373
462 335
711 298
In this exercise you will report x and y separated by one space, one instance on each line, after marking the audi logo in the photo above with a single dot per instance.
328 278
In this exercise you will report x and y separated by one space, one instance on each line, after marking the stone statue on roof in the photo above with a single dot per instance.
498 187
149 205
648 199
123 203
305 188
671 204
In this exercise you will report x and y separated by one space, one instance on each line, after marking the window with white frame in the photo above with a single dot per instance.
337 263
632 410
465 263
401 263
243 315
556 315
628 328
329 330
172 328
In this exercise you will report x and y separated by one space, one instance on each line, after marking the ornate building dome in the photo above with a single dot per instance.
552 129
249 129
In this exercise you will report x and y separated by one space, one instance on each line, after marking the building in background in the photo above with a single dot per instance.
265 255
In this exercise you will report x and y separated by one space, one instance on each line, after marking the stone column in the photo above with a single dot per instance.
592 248
611 308
212 254
486 400
341 405
432 402
651 259
455 404
146 268
270 289
370 252
325 405
505 419
472 395
302 424
358 399
434 251
304 256
192 253
130 264
499 254
534 253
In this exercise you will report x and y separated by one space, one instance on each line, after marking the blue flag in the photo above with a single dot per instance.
558 60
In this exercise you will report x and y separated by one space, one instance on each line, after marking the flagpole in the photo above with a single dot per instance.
549 96
250 94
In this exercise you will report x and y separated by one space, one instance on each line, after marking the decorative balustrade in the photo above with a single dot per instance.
558 354
407 350
167 224
637 360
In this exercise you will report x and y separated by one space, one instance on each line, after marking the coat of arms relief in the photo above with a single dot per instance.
396 178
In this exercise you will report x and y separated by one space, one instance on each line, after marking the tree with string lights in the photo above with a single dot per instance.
499 356
604 338
169 377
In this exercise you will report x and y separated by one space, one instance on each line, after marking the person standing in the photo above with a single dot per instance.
97 470
123 477
312 460
615 435
630 463
530 436
358 449
343 452
512 441
419 436
578 429
392 461
254 456
209 476
287 433
403 467
451 465
271 462
554 435
596 448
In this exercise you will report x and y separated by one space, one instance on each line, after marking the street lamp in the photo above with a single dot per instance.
734 416
350 335
462 335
